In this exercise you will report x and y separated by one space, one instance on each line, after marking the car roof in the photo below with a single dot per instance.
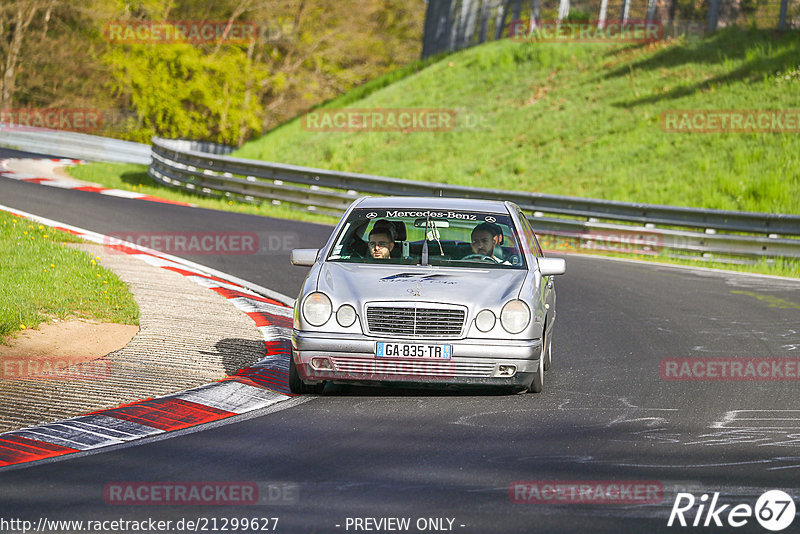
439 203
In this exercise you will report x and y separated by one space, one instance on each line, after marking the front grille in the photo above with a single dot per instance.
416 321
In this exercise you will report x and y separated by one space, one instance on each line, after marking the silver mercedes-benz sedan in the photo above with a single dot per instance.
425 290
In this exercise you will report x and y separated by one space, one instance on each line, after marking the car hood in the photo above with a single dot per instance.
474 288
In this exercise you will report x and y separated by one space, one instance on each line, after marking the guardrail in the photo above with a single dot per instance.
182 164
205 168
72 144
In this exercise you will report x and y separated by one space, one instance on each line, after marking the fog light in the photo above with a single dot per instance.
321 364
507 370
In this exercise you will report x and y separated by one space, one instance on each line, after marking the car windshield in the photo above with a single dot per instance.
429 237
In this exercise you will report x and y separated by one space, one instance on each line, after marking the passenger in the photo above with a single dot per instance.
381 240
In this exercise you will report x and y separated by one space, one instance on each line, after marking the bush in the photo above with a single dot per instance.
178 91
577 15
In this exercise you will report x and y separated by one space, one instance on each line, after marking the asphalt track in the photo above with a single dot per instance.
605 414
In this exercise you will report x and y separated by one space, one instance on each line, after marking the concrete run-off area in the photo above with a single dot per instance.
188 336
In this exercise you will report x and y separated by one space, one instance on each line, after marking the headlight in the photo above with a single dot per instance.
485 320
346 315
317 309
515 316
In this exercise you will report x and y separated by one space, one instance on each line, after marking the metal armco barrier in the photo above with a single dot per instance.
180 165
73 145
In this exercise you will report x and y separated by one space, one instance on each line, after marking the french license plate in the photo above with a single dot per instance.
412 351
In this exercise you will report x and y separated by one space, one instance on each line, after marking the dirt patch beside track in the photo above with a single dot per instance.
61 344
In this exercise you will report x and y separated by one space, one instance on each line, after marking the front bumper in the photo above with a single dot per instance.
351 359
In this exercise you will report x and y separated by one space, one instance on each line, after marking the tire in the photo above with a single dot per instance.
296 385
538 380
548 353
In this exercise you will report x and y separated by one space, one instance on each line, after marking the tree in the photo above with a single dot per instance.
601 19
563 9
15 19
534 15
59 54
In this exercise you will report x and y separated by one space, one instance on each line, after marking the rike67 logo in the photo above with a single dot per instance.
774 510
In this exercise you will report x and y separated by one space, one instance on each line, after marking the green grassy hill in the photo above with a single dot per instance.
582 120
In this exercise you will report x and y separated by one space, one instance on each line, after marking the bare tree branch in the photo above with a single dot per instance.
23 13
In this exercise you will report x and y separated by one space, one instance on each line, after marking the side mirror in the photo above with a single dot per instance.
550 266
305 257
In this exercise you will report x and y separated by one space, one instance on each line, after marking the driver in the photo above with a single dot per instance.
485 237
381 240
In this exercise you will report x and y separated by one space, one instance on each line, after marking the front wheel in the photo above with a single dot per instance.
538 380
296 384
548 353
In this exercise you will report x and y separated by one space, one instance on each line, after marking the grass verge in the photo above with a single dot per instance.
132 177
582 120
41 278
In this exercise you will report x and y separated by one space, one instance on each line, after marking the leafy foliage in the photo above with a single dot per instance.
303 54
176 91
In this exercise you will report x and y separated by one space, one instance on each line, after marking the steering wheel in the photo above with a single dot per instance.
481 257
